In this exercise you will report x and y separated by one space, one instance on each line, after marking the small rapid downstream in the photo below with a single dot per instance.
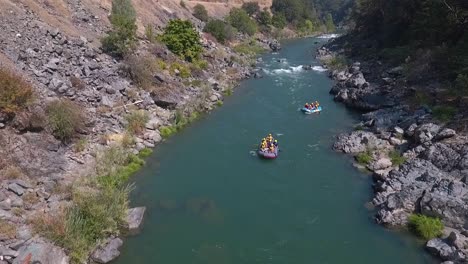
211 200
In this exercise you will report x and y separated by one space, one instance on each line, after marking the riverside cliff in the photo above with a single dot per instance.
417 156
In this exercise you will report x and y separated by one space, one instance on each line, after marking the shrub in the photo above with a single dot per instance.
199 11
80 145
15 93
336 63
239 19
396 158
426 227
184 71
264 18
219 103
123 34
65 118
182 39
364 157
161 64
7 229
444 113
251 8
149 33
144 153
182 4
279 21
77 83
136 121
140 69
10 173
200 64
249 48
167 131
220 30
228 92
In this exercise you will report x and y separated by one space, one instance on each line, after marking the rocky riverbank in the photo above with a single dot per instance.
419 164
37 169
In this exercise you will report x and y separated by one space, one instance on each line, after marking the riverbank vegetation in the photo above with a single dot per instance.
98 207
425 227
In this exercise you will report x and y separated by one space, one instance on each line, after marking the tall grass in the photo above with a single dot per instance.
99 206
65 118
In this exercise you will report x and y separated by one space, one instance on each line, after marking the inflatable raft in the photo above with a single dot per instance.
311 111
268 154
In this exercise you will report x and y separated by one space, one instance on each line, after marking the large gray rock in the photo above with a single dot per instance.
41 252
445 133
7 252
107 251
380 164
443 250
426 132
359 141
14 187
135 218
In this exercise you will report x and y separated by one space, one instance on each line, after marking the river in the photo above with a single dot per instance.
210 200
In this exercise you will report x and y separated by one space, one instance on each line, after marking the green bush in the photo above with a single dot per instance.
239 19
136 121
180 122
329 23
251 8
144 153
80 145
199 11
220 30
426 227
182 39
219 103
336 63
200 64
444 113
364 158
228 92
183 70
15 93
122 37
65 118
279 21
249 48
396 158
264 18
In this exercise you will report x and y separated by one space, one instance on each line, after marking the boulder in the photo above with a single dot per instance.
107 251
440 248
7 252
135 218
41 252
445 133
274 45
359 141
14 187
380 164
426 132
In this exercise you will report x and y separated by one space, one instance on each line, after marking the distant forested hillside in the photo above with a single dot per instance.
430 37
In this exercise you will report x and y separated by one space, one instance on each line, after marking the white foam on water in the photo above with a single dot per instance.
297 68
328 36
319 69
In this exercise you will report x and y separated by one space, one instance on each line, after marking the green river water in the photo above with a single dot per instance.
210 200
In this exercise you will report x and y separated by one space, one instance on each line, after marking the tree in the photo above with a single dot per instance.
199 11
220 30
123 34
251 8
264 18
182 39
329 23
279 21
239 19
